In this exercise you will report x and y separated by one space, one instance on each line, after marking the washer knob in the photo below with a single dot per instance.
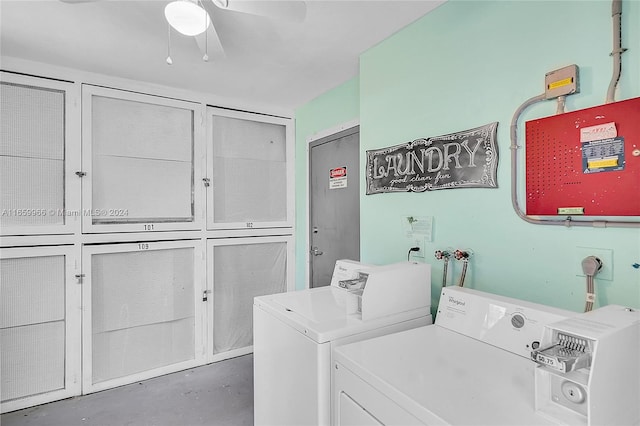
573 392
517 321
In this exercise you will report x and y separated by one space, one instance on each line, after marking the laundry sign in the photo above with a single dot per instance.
466 159
338 178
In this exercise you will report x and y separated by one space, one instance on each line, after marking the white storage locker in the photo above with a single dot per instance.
142 155
36 140
39 326
142 312
239 269
250 161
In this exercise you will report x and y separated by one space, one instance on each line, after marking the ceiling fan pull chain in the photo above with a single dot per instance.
169 60
206 36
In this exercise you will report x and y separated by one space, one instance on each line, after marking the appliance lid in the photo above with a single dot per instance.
320 305
434 373
321 313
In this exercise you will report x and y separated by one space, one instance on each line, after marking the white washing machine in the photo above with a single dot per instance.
473 367
296 332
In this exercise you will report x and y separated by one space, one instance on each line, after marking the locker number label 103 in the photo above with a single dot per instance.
143 246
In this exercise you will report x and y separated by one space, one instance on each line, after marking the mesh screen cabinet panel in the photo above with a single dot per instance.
142 157
239 269
35 171
142 311
250 168
39 326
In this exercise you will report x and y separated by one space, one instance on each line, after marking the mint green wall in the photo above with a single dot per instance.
329 110
470 63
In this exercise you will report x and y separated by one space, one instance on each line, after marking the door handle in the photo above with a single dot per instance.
315 251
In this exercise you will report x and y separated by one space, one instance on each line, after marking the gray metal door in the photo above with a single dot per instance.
334 203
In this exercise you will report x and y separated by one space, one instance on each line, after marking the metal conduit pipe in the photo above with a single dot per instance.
616 14
514 182
561 104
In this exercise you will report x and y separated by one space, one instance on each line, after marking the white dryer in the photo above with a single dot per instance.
295 333
473 367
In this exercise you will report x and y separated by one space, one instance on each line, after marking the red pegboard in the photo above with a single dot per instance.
563 169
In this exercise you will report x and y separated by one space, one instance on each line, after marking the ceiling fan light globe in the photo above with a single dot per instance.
187 18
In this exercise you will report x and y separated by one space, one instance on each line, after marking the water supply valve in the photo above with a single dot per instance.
462 255
442 255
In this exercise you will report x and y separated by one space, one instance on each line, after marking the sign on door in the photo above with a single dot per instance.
338 178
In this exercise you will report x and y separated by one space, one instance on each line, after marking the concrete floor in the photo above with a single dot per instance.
216 394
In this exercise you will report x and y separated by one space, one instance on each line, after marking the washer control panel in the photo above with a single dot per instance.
510 324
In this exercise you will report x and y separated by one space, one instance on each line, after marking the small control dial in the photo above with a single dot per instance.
517 321
573 392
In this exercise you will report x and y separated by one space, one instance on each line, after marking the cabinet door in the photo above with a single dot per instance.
142 157
36 140
39 326
250 168
142 311
240 269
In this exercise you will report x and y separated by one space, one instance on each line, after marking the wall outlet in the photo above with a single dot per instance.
418 242
605 255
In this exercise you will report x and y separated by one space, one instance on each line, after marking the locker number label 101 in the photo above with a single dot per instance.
148 227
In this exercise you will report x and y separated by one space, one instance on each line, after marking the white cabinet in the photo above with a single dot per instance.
142 157
38 191
39 326
142 311
240 269
249 169
138 228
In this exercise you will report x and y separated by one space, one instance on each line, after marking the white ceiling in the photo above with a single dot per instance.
265 61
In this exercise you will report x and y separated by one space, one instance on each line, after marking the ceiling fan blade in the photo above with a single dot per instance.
209 43
290 10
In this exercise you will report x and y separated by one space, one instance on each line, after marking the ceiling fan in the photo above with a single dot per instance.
197 18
